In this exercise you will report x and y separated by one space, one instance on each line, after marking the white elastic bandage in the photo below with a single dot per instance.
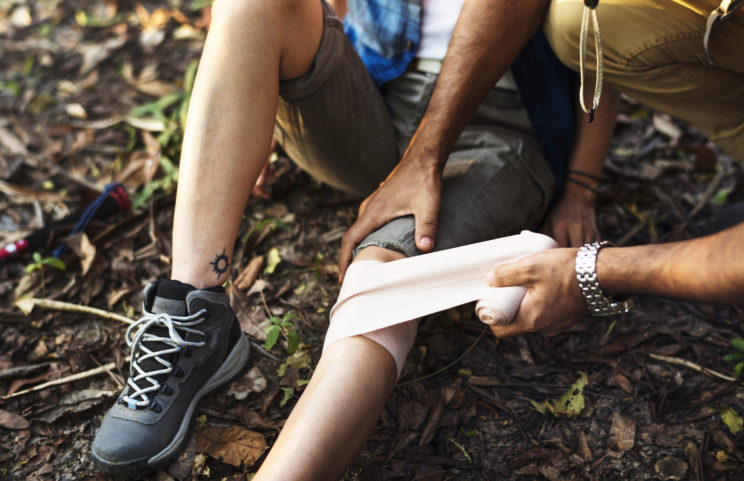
377 295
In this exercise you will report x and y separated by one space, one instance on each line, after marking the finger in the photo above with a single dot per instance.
560 234
576 235
592 233
426 227
509 330
510 274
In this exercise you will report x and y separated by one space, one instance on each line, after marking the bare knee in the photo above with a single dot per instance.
374 253
242 10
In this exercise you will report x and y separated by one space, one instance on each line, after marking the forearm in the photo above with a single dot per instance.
591 143
709 269
488 36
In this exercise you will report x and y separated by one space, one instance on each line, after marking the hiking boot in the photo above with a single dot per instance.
188 343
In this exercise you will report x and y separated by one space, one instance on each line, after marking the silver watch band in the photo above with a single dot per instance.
586 273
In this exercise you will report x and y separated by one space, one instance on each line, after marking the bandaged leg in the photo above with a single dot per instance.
376 295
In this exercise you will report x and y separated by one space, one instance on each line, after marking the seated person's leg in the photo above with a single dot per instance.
343 401
653 52
498 185
250 46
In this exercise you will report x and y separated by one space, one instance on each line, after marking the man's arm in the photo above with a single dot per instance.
707 269
571 220
488 36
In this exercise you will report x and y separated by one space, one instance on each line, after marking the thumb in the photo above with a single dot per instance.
505 275
426 228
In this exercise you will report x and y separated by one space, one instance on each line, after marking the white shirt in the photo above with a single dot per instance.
438 19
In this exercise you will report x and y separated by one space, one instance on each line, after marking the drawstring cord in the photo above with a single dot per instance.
719 14
590 13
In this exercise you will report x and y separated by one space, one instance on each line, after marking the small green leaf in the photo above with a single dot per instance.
288 393
571 404
738 343
538 407
732 419
461 448
55 262
720 197
272 335
293 342
737 370
733 356
37 257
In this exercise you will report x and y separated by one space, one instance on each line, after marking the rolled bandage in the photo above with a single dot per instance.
378 295
499 306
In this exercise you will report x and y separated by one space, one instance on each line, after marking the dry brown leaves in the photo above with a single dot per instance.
233 445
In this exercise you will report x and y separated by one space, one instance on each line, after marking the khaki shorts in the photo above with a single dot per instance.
336 124
653 52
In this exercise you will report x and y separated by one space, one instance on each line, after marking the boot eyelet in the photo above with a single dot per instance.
157 408
166 390
177 372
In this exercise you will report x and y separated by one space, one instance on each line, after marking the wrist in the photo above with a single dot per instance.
579 192
598 303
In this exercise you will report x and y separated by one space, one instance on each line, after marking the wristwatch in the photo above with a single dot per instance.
586 273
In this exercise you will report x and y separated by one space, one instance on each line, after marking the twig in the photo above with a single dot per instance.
709 191
26 304
695 367
67 379
263 351
632 232
472 346
266 306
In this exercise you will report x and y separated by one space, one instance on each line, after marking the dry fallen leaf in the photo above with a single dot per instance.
622 434
234 445
10 420
84 249
253 381
249 274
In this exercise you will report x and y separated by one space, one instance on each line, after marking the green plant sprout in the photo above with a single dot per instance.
170 110
738 344
39 264
282 327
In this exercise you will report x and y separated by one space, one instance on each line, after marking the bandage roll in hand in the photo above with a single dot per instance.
376 295
499 306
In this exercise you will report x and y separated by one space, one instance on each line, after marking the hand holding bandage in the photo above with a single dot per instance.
378 295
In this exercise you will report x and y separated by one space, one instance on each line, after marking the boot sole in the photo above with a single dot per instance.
229 369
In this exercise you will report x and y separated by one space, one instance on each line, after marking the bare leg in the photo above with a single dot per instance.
339 408
251 45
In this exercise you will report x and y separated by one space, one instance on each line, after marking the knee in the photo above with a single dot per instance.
239 12
563 30
397 340
374 253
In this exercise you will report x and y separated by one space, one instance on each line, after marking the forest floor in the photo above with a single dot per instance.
95 92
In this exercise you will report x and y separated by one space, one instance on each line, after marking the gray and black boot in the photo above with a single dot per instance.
188 343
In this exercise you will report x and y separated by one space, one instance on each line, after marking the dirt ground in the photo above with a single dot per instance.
94 92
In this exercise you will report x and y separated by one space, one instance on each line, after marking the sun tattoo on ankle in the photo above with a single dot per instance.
220 264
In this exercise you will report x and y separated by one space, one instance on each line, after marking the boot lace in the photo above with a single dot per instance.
140 333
